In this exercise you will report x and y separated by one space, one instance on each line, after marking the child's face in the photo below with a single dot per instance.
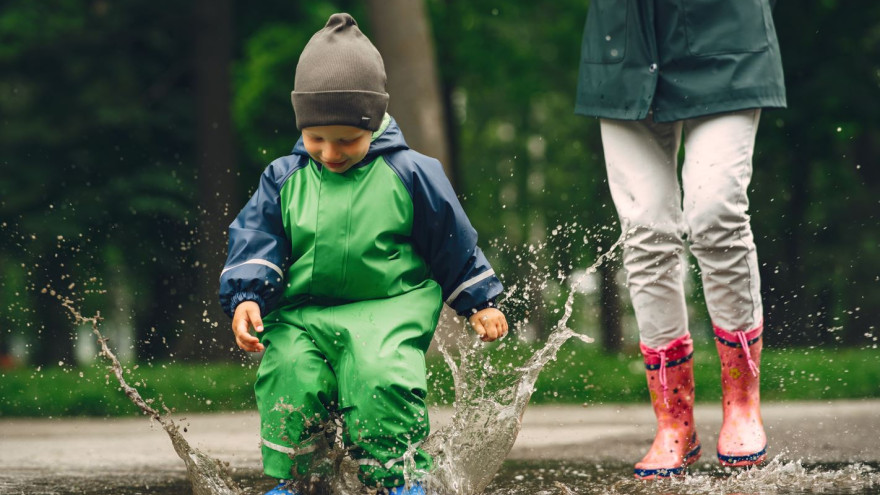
337 147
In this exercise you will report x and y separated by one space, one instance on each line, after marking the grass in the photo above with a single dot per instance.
580 375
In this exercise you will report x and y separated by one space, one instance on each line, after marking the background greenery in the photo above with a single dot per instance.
581 375
114 192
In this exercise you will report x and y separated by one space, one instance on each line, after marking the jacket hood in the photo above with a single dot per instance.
390 139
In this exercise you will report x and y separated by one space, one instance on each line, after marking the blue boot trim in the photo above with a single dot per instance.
414 489
736 344
670 364
667 472
285 487
733 459
659 473
693 453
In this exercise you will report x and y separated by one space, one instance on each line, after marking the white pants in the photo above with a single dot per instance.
642 161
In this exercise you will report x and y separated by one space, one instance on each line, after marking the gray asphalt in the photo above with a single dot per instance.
839 431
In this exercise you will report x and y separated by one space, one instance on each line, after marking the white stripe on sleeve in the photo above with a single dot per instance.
468 283
256 261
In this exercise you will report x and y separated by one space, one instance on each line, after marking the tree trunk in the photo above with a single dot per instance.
410 63
609 307
205 330
53 330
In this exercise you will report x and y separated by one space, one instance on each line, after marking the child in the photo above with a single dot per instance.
346 253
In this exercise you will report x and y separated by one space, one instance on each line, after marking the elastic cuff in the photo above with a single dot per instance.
241 297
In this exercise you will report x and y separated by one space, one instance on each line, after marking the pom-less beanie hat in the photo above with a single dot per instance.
340 78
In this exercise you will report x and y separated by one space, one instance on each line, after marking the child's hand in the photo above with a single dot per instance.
489 323
247 314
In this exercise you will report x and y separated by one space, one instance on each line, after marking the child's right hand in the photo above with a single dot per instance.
490 324
247 315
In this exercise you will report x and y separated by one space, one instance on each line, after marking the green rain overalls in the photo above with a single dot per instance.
363 358
358 305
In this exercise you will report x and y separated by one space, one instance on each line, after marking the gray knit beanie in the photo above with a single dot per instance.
340 78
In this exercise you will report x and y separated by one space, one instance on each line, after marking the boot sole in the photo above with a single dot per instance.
743 460
650 474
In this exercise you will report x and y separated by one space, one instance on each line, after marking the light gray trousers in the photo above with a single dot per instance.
709 206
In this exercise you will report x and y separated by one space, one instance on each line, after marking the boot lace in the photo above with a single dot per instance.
663 384
744 342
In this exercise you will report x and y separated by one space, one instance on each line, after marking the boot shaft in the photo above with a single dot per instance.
742 440
740 356
670 374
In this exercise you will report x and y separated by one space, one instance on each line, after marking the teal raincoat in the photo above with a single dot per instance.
678 58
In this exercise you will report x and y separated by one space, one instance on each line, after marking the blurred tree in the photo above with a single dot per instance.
100 118
816 186
408 51
526 162
207 334
95 126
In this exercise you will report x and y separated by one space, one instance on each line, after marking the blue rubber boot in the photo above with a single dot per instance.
285 487
413 489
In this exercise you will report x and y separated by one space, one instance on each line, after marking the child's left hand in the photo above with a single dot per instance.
490 324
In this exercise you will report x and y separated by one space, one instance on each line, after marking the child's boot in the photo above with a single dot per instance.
670 373
412 489
742 441
285 487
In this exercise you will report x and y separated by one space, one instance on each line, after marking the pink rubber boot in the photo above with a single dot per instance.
670 372
742 441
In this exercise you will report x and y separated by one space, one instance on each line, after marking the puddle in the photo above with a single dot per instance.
536 478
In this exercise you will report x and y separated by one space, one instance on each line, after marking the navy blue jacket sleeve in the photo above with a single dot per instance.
258 247
443 235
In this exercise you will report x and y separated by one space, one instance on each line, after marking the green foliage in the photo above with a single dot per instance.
581 374
94 390
98 182
262 104
584 374
96 127
529 168
816 186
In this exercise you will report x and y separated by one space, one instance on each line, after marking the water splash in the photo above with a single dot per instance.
487 417
471 448
778 477
468 452
207 475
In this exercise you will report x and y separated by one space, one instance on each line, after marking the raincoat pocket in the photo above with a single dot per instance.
715 27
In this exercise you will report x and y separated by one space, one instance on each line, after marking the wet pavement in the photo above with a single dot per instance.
37 453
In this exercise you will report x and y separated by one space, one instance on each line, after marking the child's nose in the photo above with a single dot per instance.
331 152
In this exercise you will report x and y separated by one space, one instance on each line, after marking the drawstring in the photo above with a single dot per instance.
662 353
679 348
744 342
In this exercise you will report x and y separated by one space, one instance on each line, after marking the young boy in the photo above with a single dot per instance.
340 262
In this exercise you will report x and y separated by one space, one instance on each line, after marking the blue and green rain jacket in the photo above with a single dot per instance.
383 228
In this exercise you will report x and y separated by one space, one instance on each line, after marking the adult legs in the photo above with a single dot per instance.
641 157
716 175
